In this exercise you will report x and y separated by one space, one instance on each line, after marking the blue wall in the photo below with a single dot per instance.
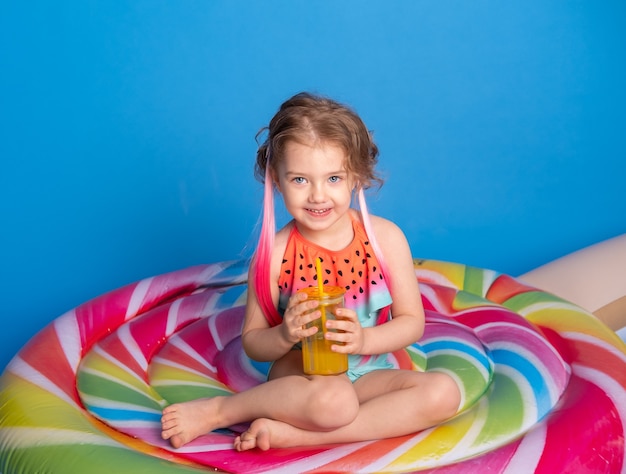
127 131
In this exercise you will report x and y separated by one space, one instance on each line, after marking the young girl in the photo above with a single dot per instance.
318 155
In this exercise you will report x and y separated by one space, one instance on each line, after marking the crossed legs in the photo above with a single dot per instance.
292 409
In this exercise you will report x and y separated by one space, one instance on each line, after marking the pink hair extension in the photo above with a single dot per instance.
367 224
263 255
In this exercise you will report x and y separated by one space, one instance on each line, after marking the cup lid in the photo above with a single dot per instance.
329 291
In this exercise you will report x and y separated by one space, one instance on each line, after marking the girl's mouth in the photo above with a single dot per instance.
318 212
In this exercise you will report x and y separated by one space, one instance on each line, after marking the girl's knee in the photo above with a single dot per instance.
447 396
333 404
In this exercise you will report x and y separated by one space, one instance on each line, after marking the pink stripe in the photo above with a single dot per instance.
599 447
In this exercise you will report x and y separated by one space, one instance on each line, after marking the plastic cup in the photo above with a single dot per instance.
317 357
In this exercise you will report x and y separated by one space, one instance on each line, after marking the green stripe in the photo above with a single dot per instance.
81 459
90 384
505 413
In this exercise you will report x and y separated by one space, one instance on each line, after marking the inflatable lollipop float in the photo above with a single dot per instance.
543 382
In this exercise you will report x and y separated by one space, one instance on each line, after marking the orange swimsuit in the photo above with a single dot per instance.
355 268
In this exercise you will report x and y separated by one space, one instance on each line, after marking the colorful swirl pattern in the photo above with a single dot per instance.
543 382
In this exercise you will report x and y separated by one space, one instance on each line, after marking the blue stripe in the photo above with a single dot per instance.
530 372
459 347
116 414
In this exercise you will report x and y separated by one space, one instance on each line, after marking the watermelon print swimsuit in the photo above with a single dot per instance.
354 268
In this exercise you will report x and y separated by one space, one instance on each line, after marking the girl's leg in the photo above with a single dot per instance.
393 403
290 396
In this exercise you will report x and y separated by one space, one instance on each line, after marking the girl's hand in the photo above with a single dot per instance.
295 319
350 332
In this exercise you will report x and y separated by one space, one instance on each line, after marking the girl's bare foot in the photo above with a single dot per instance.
184 422
265 434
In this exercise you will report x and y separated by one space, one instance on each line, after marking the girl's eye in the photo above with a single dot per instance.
334 179
299 180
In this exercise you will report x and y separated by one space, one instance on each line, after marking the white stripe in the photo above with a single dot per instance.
529 402
181 367
528 453
131 345
209 384
181 344
611 387
432 276
211 305
68 332
24 438
467 445
201 448
607 346
552 305
97 349
215 333
320 459
95 403
172 317
489 276
26 371
137 298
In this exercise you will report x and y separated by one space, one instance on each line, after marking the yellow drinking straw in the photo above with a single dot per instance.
320 286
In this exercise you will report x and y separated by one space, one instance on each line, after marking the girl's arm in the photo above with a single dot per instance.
407 323
262 342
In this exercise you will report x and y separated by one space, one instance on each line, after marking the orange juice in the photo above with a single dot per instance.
317 357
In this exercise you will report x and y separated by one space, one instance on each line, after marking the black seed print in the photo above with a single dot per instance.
285 261
360 273
286 285
340 273
353 297
363 261
374 282
358 253
325 282
347 287
327 271
368 255
302 278
310 265
346 260
301 256
352 270
367 242
374 268
315 277
321 260
288 272
300 267
380 276
354 282
360 290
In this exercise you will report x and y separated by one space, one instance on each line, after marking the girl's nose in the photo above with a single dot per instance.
318 194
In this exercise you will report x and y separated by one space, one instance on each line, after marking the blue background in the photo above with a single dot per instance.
127 131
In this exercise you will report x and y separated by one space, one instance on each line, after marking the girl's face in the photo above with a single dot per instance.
316 188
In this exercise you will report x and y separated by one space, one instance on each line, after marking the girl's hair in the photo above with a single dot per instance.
306 118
